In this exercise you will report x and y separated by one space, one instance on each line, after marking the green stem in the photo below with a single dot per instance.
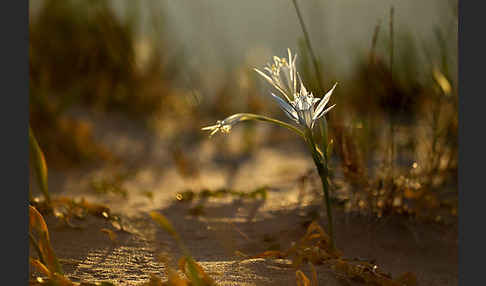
309 46
314 62
392 123
250 116
40 165
323 129
323 173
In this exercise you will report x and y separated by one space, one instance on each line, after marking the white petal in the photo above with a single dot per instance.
287 79
289 110
323 102
272 83
294 73
317 116
303 90
264 75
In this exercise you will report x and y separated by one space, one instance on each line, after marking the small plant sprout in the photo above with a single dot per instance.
302 108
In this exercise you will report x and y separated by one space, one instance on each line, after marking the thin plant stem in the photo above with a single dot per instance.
323 173
391 41
373 43
40 165
313 57
325 143
392 124
251 116
309 46
321 167
435 155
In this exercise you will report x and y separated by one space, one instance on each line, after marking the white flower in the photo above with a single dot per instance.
283 75
299 103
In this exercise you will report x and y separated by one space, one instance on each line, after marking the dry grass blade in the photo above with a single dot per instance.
271 254
186 264
37 223
302 280
39 165
195 272
175 280
111 234
314 248
370 274
56 279
314 275
95 209
39 266
163 222
316 232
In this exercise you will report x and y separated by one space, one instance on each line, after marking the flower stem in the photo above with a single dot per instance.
239 117
250 116
323 173
322 169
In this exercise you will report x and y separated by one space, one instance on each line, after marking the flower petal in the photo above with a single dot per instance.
294 73
305 118
287 108
272 83
325 111
303 90
324 101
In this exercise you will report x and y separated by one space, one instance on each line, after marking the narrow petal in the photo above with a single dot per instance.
323 113
213 132
264 76
288 79
303 90
294 73
209 127
324 101
272 83
287 108
328 109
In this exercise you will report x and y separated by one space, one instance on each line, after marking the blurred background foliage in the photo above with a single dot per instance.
177 66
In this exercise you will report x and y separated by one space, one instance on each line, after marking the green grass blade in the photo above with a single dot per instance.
40 165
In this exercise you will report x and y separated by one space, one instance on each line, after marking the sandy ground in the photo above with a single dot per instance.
228 224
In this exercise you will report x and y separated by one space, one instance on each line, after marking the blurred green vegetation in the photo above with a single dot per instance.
81 53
